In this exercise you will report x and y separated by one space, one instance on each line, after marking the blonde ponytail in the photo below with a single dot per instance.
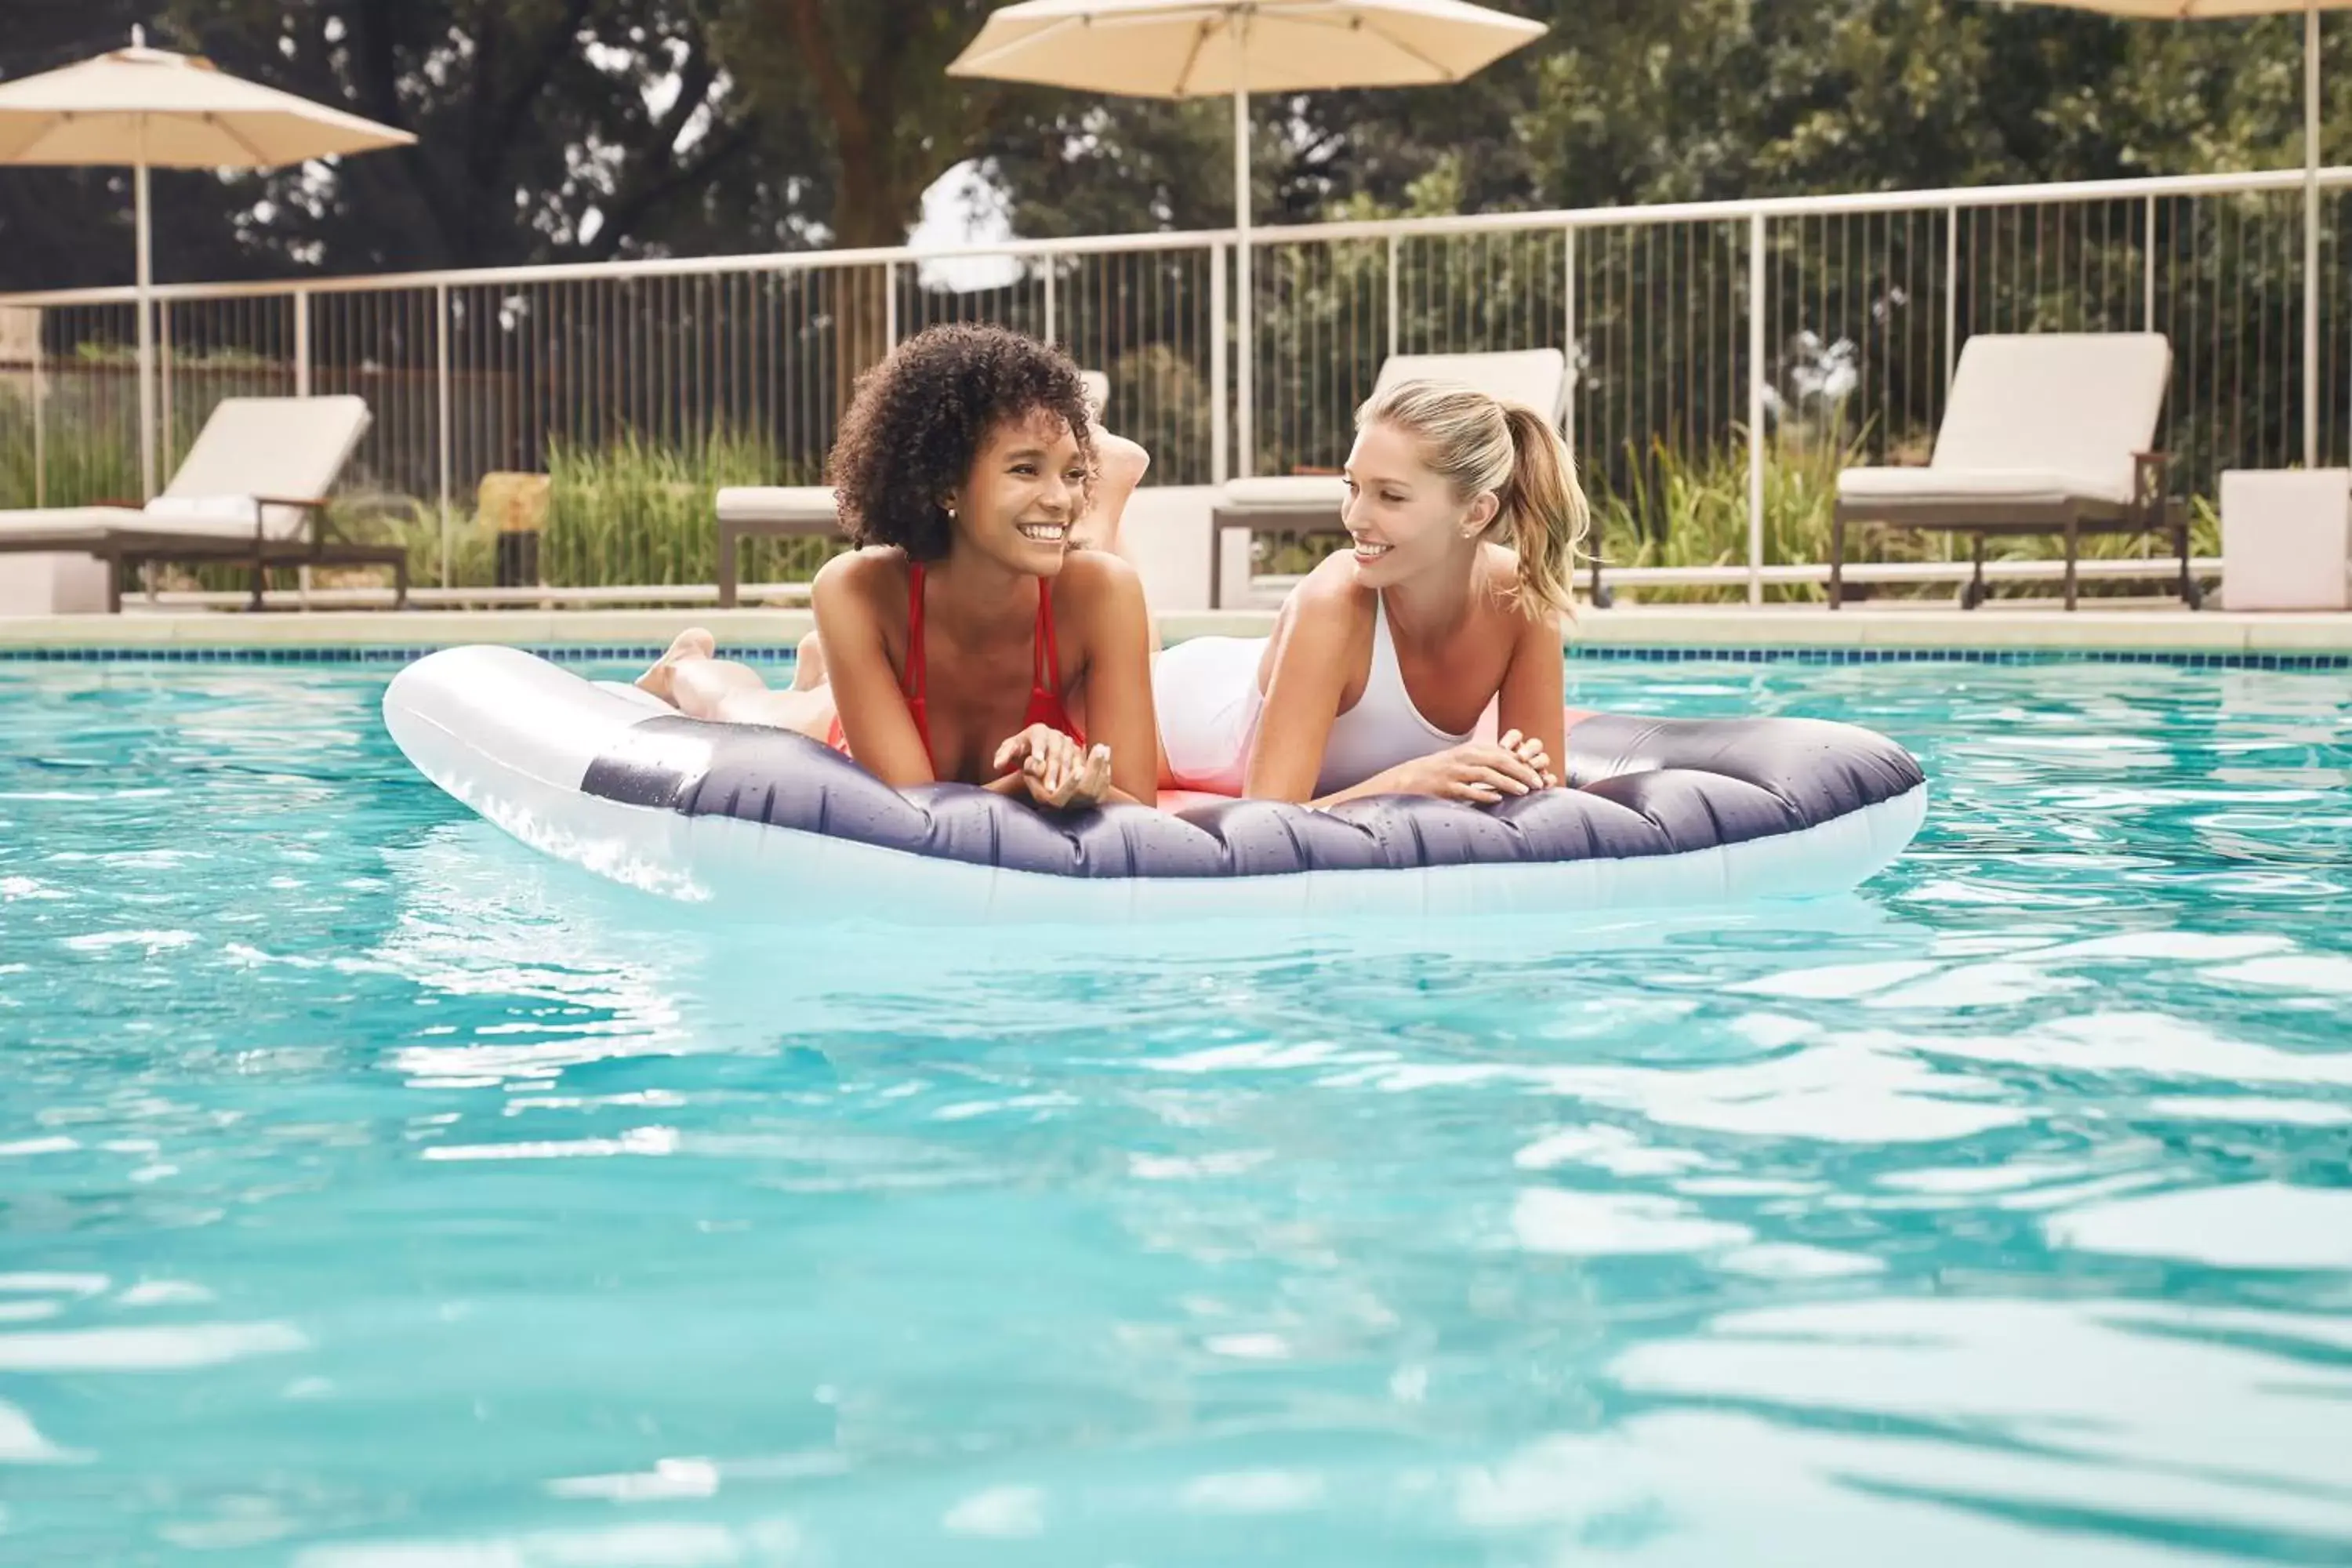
1478 444
1545 510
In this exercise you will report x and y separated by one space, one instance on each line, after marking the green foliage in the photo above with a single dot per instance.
506 98
798 121
1158 397
795 118
639 512
635 512
85 462
1691 510
1629 101
862 89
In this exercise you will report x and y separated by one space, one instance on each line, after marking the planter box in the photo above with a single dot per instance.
52 586
2287 538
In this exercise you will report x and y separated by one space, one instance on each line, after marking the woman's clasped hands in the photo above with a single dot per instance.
1057 771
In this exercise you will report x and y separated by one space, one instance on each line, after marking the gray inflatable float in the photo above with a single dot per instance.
1660 812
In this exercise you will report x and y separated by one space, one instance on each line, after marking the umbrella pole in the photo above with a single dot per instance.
1244 299
146 326
2311 234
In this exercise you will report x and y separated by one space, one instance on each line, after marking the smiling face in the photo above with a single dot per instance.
1026 488
1403 514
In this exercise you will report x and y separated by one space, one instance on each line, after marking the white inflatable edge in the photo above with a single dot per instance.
549 725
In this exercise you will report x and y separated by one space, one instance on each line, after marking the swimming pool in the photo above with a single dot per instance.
377 1192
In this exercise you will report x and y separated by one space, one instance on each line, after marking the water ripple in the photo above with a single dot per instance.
378 1193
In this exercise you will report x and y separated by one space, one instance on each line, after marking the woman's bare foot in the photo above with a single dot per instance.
1121 460
1119 466
808 664
692 643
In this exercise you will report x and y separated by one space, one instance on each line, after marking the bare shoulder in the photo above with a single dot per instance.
1329 611
1498 576
1503 609
1098 594
865 579
1089 576
1331 594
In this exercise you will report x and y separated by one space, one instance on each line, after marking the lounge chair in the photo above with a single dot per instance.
2044 433
807 512
251 492
1310 503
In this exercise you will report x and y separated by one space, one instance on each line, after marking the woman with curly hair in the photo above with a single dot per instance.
969 639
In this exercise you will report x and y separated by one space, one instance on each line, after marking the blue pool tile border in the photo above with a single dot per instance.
609 653
2178 658
565 653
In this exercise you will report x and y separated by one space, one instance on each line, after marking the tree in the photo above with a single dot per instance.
1627 100
869 81
863 88
547 129
60 226
564 129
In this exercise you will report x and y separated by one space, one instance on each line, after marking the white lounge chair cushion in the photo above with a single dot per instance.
1536 377
1287 493
71 524
230 516
2074 403
779 503
293 448
226 517
1996 487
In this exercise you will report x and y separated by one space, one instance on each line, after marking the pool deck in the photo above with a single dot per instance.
1770 629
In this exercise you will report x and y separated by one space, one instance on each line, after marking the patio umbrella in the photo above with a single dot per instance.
2194 10
153 108
1201 48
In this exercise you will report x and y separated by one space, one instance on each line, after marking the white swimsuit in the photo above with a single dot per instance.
1207 694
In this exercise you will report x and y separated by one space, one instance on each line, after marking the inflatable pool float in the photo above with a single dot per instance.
1659 813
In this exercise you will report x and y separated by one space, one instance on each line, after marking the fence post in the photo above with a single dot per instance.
301 343
2147 271
1220 373
1755 408
1244 360
889 305
1567 335
164 384
301 301
1951 321
41 412
1951 295
2311 241
441 397
1395 249
1052 277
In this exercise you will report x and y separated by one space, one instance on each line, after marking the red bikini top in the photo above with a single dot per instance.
1045 705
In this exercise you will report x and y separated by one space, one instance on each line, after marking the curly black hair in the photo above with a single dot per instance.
918 419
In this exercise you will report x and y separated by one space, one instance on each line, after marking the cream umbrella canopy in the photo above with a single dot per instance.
2197 10
1206 49
153 109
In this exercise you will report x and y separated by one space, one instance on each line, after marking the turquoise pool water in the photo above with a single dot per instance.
375 1193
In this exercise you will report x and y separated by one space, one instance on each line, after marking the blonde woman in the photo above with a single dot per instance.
1466 518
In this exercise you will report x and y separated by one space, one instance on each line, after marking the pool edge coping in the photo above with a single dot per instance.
2322 639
